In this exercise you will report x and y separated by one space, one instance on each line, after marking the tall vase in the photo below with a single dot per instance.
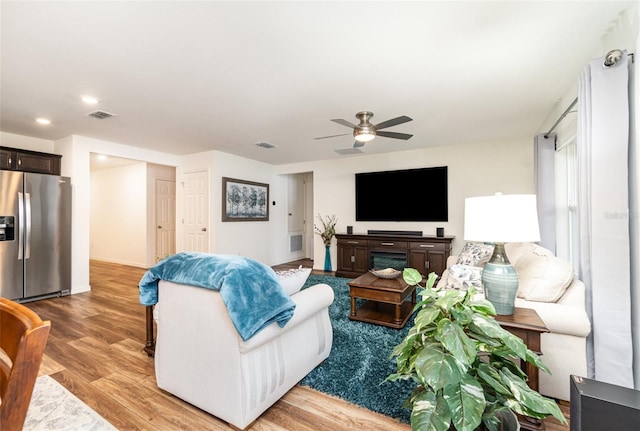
327 258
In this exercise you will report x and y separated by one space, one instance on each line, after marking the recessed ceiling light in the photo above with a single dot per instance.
101 157
43 121
89 100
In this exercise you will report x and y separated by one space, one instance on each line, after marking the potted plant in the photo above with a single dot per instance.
461 360
327 233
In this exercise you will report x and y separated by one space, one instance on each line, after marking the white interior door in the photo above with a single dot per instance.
196 211
296 216
165 218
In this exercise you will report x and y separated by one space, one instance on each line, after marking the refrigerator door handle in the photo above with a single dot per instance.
27 243
20 225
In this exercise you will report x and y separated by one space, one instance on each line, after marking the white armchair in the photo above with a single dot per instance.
200 358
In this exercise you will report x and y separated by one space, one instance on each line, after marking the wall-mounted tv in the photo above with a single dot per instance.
403 195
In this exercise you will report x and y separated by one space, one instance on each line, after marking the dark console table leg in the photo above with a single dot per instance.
150 344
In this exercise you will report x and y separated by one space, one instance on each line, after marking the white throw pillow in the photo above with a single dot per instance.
461 277
543 277
292 280
515 250
475 254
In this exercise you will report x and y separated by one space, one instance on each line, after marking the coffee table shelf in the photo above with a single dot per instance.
385 300
382 313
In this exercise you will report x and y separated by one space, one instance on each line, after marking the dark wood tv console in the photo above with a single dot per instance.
425 253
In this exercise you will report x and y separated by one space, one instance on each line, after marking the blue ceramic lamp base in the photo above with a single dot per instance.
500 281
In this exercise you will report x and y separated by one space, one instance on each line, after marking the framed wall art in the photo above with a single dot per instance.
244 200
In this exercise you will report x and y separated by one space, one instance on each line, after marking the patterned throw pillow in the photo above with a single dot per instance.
461 277
292 280
475 254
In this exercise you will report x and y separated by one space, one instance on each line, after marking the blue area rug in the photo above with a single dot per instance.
359 360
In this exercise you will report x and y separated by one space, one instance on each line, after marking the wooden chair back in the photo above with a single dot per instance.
23 337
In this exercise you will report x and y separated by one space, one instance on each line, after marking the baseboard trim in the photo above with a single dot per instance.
120 262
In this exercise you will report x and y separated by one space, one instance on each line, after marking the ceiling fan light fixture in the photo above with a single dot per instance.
363 135
365 131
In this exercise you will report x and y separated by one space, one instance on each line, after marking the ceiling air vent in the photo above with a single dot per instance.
347 151
101 115
265 145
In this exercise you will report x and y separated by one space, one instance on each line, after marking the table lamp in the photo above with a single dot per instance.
500 219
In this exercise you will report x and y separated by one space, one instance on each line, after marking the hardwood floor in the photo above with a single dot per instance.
95 351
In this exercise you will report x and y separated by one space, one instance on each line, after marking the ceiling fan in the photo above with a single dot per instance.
365 131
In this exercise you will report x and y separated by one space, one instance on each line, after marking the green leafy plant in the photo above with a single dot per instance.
463 364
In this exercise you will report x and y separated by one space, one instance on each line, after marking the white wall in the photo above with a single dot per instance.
118 231
265 241
474 170
26 142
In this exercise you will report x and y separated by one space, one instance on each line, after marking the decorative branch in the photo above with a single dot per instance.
328 230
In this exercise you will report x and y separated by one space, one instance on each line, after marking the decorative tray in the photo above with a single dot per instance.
386 273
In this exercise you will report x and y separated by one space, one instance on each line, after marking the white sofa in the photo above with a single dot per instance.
200 358
564 346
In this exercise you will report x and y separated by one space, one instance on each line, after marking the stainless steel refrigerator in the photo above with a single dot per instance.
35 236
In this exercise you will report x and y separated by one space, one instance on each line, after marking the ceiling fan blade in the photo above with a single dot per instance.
393 122
358 144
344 122
333 136
394 135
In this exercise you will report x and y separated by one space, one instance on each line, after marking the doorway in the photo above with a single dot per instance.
123 210
300 216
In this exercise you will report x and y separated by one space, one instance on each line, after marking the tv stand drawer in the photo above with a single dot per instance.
353 242
431 246
388 244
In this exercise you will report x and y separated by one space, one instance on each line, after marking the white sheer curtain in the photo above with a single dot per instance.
603 204
634 210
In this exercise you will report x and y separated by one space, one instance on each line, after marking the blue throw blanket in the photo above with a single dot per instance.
250 289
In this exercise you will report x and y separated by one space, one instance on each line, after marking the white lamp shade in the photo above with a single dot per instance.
501 218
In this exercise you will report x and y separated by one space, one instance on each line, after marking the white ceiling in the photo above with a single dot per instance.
186 77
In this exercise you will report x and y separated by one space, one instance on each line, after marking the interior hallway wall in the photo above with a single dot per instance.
119 216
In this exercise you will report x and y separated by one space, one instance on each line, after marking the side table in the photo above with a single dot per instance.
525 324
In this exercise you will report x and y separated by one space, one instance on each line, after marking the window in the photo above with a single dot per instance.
566 175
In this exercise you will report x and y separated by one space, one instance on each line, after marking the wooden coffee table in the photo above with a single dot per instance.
385 300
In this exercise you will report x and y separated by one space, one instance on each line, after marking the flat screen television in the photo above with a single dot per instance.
403 195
